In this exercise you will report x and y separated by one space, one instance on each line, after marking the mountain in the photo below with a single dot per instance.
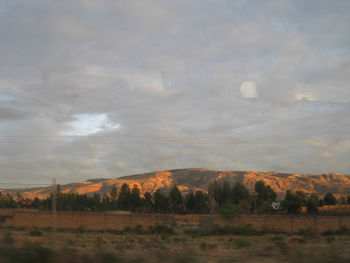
199 179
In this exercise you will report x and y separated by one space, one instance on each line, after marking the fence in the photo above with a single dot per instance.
104 221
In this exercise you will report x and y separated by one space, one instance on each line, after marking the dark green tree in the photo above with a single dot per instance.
189 202
105 203
302 197
239 193
123 202
265 196
329 199
226 193
161 202
148 205
214 192
176 200
201 203
292 203
312 204
135 198
6 201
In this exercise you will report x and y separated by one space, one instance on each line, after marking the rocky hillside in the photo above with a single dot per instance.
199 179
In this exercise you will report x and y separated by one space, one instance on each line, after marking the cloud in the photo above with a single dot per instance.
171 75
86 124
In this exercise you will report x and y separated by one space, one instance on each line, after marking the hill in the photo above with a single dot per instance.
199 179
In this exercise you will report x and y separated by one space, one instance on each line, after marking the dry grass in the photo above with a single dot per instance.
82 246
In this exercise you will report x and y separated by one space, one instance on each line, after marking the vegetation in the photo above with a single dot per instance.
228 200
168 244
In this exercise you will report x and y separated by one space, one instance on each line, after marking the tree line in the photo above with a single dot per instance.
219 195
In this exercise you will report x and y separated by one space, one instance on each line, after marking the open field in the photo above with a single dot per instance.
168 244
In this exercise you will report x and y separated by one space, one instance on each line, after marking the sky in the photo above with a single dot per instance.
107 88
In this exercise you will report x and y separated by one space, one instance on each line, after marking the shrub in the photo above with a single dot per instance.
8 239
241 243
282 246
80 230
330 239
277 238
36 232
244 229
115 231
229 211
307 233
127 229
139 229
30 254
161 229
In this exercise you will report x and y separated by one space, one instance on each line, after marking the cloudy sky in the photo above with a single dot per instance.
106 88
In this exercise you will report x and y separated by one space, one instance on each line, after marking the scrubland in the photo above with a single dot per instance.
170 244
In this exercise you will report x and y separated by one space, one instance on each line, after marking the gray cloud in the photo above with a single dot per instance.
169 73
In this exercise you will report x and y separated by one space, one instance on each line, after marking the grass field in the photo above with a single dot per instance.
168 245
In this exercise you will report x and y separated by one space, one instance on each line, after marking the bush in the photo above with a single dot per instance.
36 232
29 254
241 243
80 230
229 211
194 232
307 233
161 229
282 246
139 229
342 231
8 239
115 231
244 229
127 229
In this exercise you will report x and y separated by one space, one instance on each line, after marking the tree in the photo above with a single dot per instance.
6 201
161 202
135 199
329 199
114 193
265 196
201 203
123 202
214 192
292 203
226 193
105 203
148 203
239 193
176 200
113 197
312 204
302 197
189 202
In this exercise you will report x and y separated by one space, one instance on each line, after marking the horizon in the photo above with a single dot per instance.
16 186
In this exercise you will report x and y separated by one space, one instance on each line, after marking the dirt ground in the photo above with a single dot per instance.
23 245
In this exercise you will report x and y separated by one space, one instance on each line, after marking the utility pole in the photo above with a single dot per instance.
54 212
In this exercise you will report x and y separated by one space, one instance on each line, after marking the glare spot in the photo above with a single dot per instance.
305 96
249 90
86 124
